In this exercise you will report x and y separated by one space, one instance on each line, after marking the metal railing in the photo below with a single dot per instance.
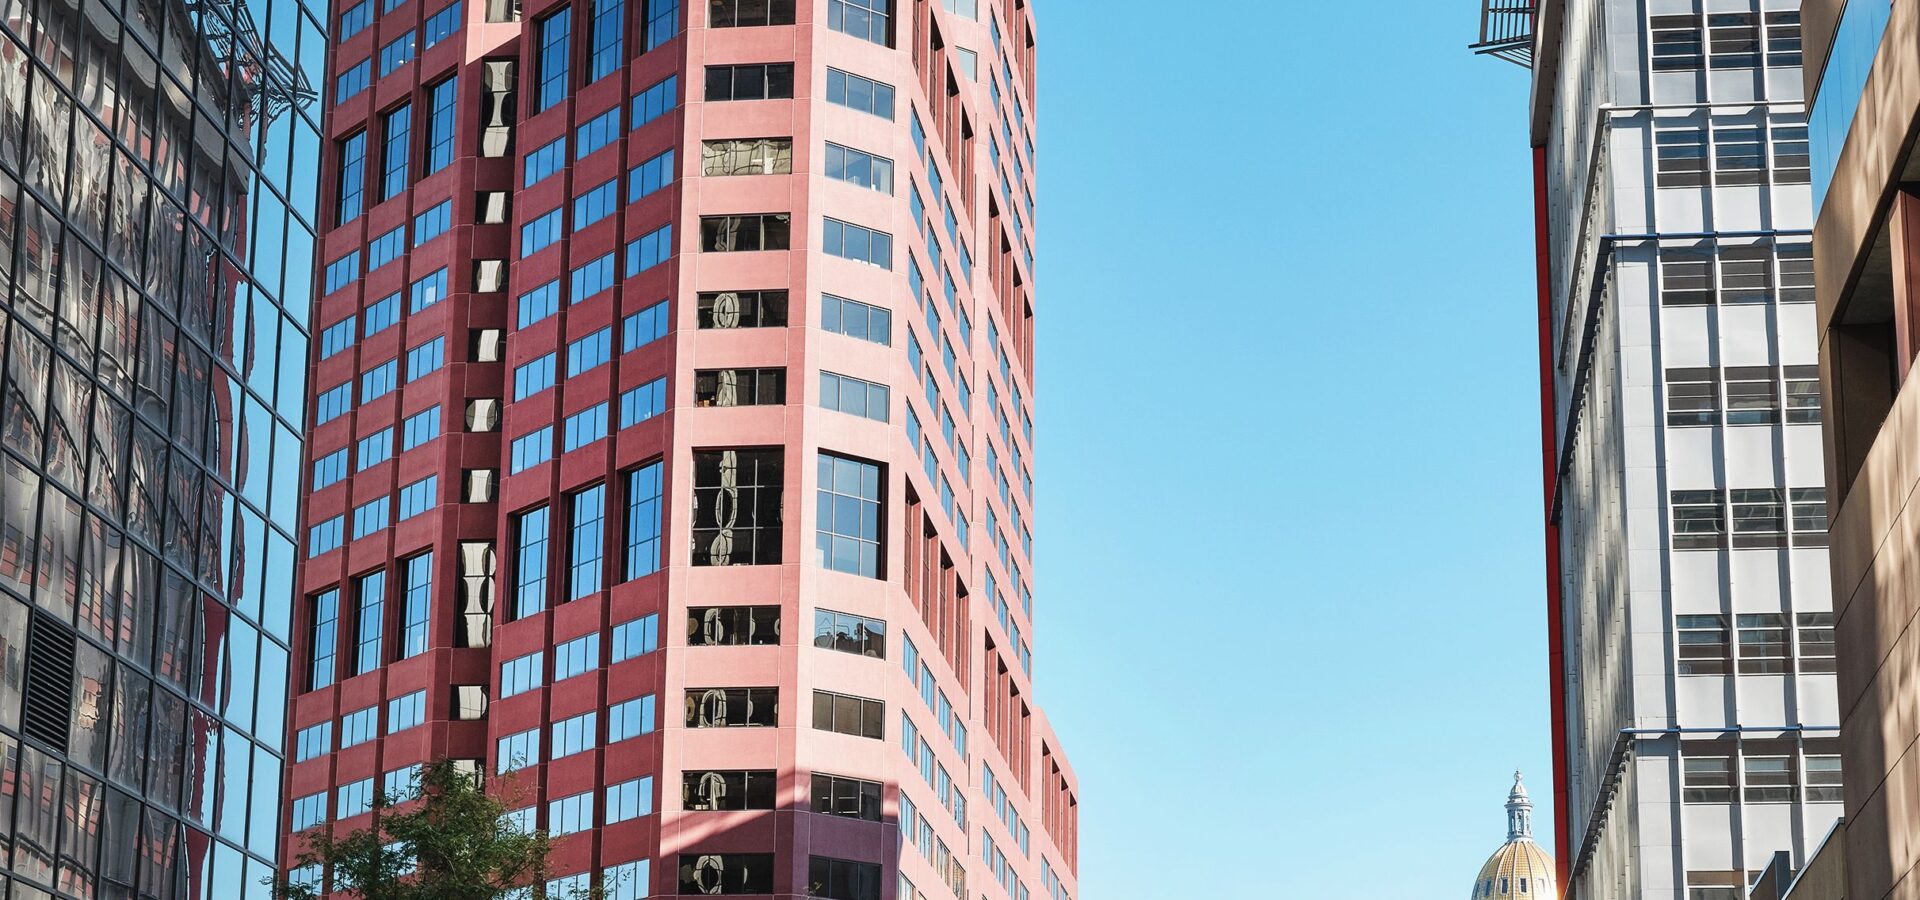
1506 31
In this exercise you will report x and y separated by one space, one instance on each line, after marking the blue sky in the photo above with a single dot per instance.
1289 601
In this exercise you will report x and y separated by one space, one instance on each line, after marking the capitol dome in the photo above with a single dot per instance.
1519 870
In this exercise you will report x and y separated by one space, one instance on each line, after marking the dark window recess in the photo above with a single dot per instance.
723 790
845 714
743 309
842 879
48 715
737 515
759 81
726 873
733 707
733 626
744 13
757 231
850 797
740 387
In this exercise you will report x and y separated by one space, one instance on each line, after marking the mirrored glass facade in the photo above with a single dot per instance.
156 245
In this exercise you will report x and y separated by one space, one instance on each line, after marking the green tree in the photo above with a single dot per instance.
455 843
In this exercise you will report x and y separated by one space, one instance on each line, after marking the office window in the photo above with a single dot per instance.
355 20
636 637
1739 154
849 633
574 735
644 327
1686 274
540 233
606 52
323 639
649 250
726 873
643 403
849 797
737 516
406 711
629 800
1809 516
308 811
342 272
533 377
858 93
352 81
848 536
630 719
860 244
764 231
369 621
417 606
1677 43
744 13
1693 397
550 79
386 248
644 487
333 403
1753 396
1783 39
596 204
1823 779
860 168
868 20
1763 643
517 751
330 469
1759 518
353 178
842 879
847 394
522 673
586 541
584 427
856 320
383 315
370 517
1703 648
313 742
655 101
717 790
1680 157
739 387
847 714
589 280
743 309
539 303
530 562
733 626
545 160
1769 779
426 358
336 337
374 449
1791 162
597 132
432 223
420 428
589 352
359 726
402 784
1733 41
662 21
733 707
396 53
397 126
1699 521
419 497
746 156
1816 642
649 176
1803 395
757 81
439 27
325 536
1706 779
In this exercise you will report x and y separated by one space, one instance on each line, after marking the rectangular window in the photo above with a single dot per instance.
630 719
427 290
733 707
649 176
1803 395
643 403
374 449
1753 396
386 248
589 280
539 303
534 377
1759 518
636 638
733 626
843 879
432 223
522 673
370 517
726 873
1733 41
1706 779
575 735
655 101
1699 520
662 21
737 516
860 168
862 94
856 320
584 427
333 403
355 20
714 791
743 309
420 428
848 536
352 82
541 232
849 633
353 177
1769 779
739 387
599 131
550 82
1677 43
868 20
860 244
313 742
325 536
1763 644
746 156
417 572
726 234
383 315
844 393
745 13
852 798
596 204
359 727
530 563
324 638
1693 397
330 469
1816 642
354 799
847 714
439 27
426 358
369 621
629 800
419 497
1703 648
757 81
1791 162
407 711
396 53
589 352
397 126
649 250
342 272
402 784
609 30
545 160
644 327
643 521
1823 779
1680 157
587 541
517 751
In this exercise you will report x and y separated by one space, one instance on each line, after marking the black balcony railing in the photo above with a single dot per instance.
1506 31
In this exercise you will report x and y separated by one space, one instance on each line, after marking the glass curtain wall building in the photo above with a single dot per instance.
672 441
157 186
1692 631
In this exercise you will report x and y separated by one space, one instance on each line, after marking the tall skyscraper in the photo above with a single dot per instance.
156 245
672 439
1866 101
1691 629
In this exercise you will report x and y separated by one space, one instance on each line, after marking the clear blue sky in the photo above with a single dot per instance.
1289 600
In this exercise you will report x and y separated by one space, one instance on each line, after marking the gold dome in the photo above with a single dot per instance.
1519 870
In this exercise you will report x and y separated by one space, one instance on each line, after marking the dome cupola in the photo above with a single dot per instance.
1519 870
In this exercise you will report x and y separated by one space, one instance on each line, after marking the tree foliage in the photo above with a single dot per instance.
454 843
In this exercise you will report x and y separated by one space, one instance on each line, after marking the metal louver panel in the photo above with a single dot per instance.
48 715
